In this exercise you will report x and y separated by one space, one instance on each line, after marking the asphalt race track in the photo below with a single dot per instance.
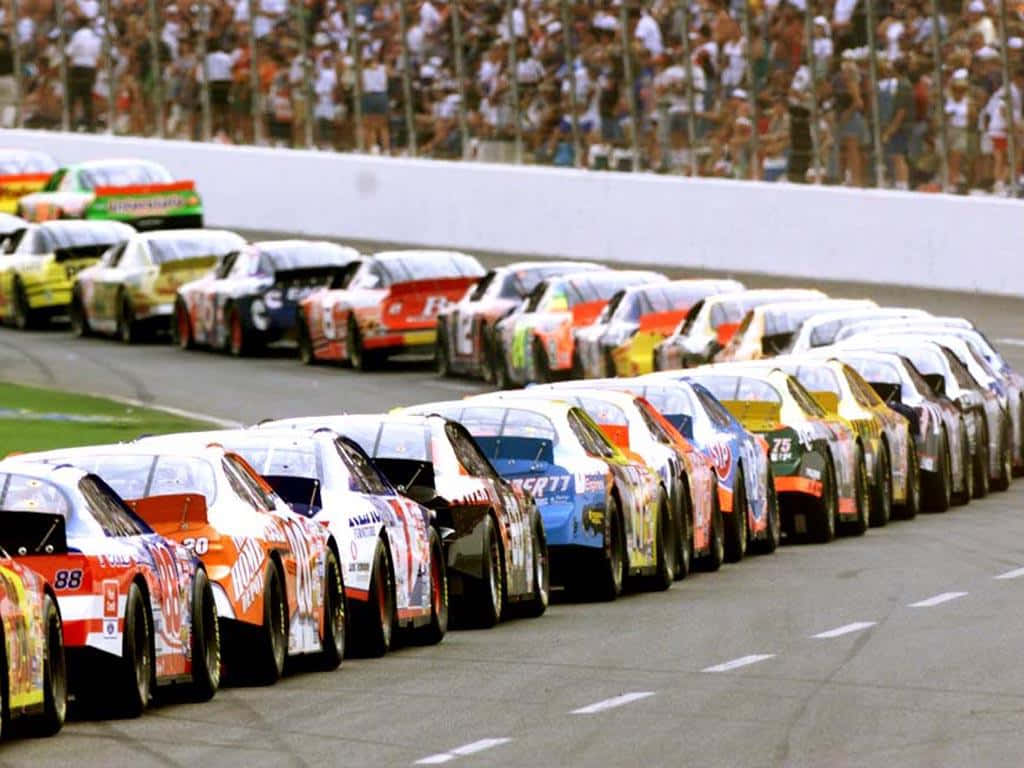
916 660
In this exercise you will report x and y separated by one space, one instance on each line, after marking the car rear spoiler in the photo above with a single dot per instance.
194 262
145 189
172 512
329 272
91 251
33 533
302 494
755 415
433 284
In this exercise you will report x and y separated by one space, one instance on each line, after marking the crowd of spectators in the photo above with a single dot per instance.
739 108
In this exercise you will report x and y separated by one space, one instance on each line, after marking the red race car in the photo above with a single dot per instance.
389 306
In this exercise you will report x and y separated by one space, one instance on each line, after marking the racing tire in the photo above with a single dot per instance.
379 611
541 366
577 365
23 317
132 680
488 359
937 486
79 320
912 498
442 361
434 632
127 330
736 524
487 594
773 527
881 494
537 604
332 639
269 652
823 528
684 535
55 674
502 379
181 329
608 365
664 550
358 356
967 469
612 574
305 342
1001 482
238 343
862 498
205 640
715 556
981 462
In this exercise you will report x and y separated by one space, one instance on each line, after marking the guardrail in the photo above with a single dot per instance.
930 241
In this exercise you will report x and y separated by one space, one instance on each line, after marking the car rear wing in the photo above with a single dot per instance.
755 415
331 275
144 189
191 263
447 285
302 494
74 252
172 512
33 533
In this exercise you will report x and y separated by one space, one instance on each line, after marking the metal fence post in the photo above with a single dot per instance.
62 43
108 66
1011 118
570 65
204 69
940 104
156 67
755 112
876 130
513 75
691 116
19 113
410 117
812 92
460 73
630 81
355 46
255 94
307 74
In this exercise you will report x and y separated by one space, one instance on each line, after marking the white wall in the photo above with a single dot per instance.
933 241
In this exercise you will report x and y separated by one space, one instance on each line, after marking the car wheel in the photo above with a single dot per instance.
824 529
938 485
487 595
966 469
268 654
205 639
736 526
862 497
134 673
664 549
713 560
773 526
127 331
684 534
442 361
55 674
305 341
981 462
881 501
912 497
332 639
501 378
182 327
238 341
79 320
488 360
358 356
538 603
608 585
23 317
541 368
1005 476
379 610
434 632
609 365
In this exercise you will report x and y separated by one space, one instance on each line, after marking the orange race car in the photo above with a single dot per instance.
276 577
389 306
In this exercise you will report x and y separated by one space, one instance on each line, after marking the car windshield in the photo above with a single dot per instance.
926 359
521 283
304 255
390 439
123 174
815 378
138 476
728 387
169 249
873 370
285 459
604 412
22 493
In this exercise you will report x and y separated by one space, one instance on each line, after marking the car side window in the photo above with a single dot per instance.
105 508
657 430
468 453
593 440
960 373
807 403
862 392
362 470
716 412
242 486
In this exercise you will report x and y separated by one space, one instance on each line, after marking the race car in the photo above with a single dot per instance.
686 476
32 660
819 470
251 298
131 291
768 330
138 192
40 262
739 458
22 171
884 435
536 344
10 225
136 609
940 432
946 375
390 552
465 330
597 504
711 323
390 305
494 543
276 578
621 341
826 328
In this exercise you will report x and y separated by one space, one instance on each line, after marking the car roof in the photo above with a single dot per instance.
183 450
419 253
25 464
520 266
73 225
184 234
553 408
108 161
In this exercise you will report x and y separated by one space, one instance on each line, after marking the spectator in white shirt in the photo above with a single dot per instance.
218 68
83 51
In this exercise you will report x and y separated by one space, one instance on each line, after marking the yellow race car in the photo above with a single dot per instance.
40 262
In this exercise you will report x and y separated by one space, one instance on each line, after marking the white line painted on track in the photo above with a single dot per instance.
466 749
742 661
930 602
846 629
1016 573
612 703
1012 342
